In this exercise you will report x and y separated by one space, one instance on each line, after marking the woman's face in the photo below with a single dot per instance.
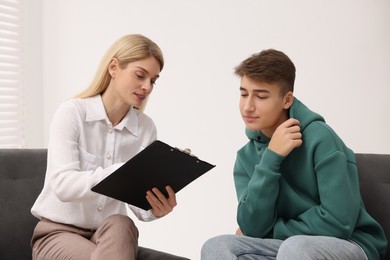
133 83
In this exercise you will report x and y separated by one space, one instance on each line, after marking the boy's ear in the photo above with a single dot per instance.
113 67
288 100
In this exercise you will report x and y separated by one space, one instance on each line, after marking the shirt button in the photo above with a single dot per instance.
110 130
100 208
108 156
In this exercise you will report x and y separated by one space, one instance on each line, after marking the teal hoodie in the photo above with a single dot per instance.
312 191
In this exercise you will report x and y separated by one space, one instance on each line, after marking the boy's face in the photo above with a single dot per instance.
262 106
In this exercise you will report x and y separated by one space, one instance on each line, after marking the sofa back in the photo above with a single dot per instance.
22 174
374 175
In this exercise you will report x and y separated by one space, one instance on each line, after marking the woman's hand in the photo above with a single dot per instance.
161 205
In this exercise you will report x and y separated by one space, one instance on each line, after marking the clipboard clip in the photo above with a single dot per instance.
187 151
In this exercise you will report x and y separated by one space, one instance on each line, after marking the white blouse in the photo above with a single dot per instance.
84 148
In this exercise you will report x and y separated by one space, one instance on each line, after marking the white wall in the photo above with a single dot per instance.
340 48
32 74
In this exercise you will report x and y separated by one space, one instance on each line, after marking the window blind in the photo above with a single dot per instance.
11 110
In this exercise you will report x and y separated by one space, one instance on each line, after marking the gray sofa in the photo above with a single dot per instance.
22 173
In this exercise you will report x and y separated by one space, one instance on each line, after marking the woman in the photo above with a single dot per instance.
90 137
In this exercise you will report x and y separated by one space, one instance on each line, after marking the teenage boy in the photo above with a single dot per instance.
296 181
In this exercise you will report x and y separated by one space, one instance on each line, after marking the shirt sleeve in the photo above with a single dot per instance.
143 215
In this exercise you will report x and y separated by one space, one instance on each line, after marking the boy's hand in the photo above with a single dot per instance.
161 205
286 137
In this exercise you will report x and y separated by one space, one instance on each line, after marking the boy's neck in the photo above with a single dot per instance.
268 132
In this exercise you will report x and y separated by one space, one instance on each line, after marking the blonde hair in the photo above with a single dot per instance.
128 48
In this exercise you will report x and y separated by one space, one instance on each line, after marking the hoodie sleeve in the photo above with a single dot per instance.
257 194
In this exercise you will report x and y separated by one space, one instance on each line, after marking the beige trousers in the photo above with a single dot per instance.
116 238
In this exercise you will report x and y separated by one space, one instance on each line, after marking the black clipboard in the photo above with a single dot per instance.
158 165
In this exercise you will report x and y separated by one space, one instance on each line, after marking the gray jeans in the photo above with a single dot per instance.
232 247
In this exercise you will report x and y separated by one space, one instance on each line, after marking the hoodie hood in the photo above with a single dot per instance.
298 111
303 114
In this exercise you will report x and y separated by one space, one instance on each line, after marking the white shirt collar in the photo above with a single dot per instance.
95 111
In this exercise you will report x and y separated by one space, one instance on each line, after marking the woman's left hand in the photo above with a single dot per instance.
161 205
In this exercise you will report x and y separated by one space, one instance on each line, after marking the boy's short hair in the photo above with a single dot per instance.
270 66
